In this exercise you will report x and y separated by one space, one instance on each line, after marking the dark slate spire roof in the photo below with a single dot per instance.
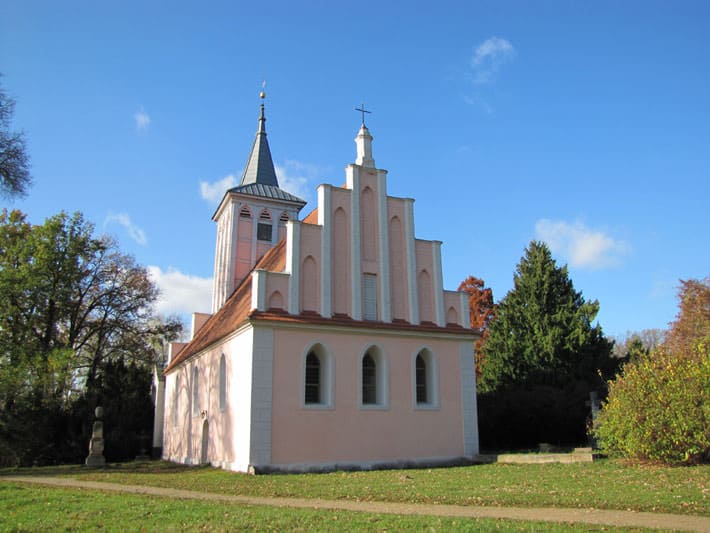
259 178
260 167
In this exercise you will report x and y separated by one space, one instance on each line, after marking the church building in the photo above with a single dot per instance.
331 343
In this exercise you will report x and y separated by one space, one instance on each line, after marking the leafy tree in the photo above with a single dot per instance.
658 408
693 321
542 333
14 162
69 304
481 312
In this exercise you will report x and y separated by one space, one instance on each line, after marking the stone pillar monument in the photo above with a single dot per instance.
96 444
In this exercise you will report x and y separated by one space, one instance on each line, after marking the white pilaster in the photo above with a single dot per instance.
159 418
255 211
324 220
385 312
258 290
469 411
230 252
261 394
215 278
411 259
356 265
438 284
293 265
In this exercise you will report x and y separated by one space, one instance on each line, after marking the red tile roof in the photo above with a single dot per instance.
312 217
234 311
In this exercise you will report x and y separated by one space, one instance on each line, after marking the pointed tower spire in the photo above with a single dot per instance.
363 142
260 166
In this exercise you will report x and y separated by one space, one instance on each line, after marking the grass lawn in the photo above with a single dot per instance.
606 484
31 508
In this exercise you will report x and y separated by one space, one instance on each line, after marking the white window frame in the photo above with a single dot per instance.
432 379
381 379
327 373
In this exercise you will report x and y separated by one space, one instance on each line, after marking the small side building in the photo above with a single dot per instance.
332 342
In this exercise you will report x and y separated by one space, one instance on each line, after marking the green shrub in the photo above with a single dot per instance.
658 408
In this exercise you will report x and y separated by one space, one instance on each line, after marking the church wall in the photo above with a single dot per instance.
348 431
277 291
228 427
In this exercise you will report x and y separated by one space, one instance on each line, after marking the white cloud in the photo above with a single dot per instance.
213 192
298 178
580 246
134 232
488 57
142 120
181 293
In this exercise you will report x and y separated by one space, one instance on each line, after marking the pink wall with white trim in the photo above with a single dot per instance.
347 431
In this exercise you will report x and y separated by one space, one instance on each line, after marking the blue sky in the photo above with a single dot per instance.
583 124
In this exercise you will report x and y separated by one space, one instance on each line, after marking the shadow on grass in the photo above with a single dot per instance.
134 467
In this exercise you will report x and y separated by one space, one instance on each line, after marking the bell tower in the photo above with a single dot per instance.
251 218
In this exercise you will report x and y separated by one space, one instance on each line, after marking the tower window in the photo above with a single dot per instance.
283 218
244 212
263 232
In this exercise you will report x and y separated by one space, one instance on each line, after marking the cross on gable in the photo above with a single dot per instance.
362 110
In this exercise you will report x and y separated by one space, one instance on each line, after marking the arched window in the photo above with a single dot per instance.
425 380
373 378
421 379
195 392
222 383
176 401
369 380
244 212
313 379
284 217
317 378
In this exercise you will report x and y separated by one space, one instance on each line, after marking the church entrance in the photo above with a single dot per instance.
205 443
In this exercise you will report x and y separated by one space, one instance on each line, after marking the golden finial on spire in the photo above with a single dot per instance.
262 94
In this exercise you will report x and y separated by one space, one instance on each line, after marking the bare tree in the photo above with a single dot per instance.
14 163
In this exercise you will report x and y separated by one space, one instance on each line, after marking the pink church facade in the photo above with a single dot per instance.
332 342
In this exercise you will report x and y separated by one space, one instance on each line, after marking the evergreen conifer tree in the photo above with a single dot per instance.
542 333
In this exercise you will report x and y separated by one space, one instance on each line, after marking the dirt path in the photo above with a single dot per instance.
552 514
